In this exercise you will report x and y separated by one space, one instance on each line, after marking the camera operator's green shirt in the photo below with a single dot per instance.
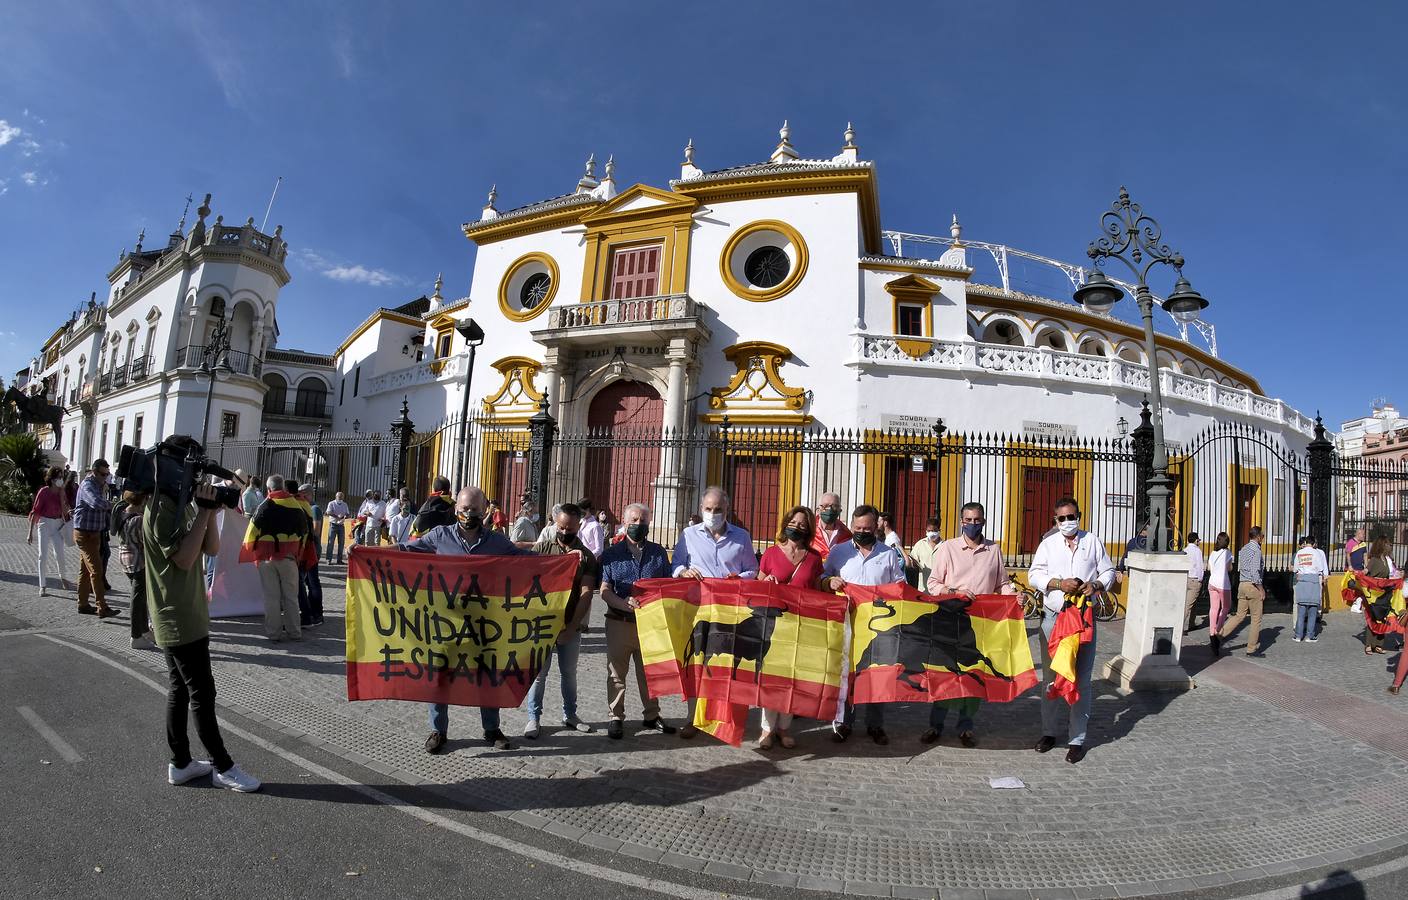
176 599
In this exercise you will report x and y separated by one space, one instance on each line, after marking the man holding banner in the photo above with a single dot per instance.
861 561
569 642
1070 561
969 565
467 537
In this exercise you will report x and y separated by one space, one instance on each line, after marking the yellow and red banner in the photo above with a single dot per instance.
279 529
1383 600
464 630
1075 625
738 643
912 647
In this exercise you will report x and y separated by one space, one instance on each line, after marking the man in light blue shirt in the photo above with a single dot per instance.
861 560
712 549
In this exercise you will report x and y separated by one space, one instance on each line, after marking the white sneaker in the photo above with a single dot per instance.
577 724
531 730
196 768
236 779
1297 639
43 592
144 642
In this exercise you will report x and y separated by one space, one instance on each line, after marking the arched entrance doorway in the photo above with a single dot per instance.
625 418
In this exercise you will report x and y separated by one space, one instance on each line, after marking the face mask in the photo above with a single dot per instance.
637 532
1068 528
56 482
932 535
715 521
972 530
796 534
829 515
536 517
566 537
864 538
469 520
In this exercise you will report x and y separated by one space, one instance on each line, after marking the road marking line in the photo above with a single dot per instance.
534 854
63 747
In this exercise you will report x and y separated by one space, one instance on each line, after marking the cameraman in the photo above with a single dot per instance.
173 539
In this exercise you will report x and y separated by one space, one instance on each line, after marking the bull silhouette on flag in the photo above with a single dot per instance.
911 647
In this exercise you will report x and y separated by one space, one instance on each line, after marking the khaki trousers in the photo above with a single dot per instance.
90 571
1249 597
622 649
1195 587
280 579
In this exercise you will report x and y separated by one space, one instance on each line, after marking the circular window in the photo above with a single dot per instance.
763 260
766 267
528 287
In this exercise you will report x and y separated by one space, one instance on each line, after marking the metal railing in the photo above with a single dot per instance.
191 357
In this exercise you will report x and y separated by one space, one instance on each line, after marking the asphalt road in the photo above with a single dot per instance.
94 816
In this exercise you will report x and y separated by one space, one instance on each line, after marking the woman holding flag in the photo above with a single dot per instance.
789 561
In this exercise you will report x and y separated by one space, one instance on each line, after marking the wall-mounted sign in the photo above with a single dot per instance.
907 423
1047 430
1121 501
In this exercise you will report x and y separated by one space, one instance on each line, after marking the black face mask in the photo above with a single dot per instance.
799 535
637 532
830 515
470 520
566 537
864 538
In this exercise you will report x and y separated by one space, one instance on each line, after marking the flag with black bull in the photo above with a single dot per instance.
1383 600
466 630
280 528
912 647
737 643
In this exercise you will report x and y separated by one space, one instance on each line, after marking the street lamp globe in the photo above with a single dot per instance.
1184 304
1099 294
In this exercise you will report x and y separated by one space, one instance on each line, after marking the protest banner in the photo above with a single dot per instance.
464 630
736 643
912 647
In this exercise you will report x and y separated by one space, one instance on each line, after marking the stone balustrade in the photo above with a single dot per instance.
449 368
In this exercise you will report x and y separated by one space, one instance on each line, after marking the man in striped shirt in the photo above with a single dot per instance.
91 509
1251 595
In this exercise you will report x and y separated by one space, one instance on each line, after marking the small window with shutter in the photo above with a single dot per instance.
635 272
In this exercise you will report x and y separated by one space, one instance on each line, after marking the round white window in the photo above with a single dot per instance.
764 260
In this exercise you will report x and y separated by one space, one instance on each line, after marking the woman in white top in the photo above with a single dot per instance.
1219 582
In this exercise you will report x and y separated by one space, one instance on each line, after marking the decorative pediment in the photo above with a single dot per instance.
517 398
640 201
915 286
756 394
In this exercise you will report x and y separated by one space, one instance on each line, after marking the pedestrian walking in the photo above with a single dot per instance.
791 560
91 512
47 517
1311 572
1251 595
1071 561
1219 583
469 536
622 565
569 641
861 560
970 565
1197 572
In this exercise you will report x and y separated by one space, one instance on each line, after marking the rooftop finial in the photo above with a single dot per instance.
610 166
850 135
591 166
489 211
141 236
181 228
689 152
589 180
955 229
204 209
439 281
784 149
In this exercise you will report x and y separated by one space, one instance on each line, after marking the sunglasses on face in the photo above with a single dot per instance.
1071 518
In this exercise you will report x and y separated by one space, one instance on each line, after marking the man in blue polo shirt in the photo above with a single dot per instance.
467 537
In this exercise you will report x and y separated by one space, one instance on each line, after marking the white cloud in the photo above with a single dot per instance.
8 132
348 273
33 179
342 53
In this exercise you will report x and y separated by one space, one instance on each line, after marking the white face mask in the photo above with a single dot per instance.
715 521
932 535
1069 528
56 482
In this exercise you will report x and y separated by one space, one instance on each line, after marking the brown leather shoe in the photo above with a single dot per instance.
86 610
106 612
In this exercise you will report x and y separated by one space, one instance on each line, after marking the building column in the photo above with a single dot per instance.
677 355
672 485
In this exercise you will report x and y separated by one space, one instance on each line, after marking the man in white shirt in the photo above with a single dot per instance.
861 560
590 532
1071 561
892 537
1197 568
337 513
375 511
1311 571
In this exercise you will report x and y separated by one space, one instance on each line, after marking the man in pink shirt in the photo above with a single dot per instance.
969 565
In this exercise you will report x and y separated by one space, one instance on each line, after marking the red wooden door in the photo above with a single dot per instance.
510 478
754 484
1246 507
1041 487
625 419
635 272
909 495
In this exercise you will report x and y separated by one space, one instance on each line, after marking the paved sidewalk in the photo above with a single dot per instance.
1275 766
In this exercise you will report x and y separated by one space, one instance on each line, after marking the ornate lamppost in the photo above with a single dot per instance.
214 365
1136 240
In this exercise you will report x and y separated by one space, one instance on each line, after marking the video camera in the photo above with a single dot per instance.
174 467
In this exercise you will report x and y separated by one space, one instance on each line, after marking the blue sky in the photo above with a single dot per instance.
1273 149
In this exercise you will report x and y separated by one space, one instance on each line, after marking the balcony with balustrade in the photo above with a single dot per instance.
606 322
1044 364
446 369
191 357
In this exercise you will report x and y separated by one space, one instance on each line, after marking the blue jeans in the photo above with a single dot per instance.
1054 712
1307 617
335 536
566 654
440 718
967 707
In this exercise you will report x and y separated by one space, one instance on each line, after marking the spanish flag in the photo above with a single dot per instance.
911 647
280 528
738 643
465 630
1075 625
1383 600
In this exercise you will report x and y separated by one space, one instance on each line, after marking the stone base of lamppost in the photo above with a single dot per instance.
1153 625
